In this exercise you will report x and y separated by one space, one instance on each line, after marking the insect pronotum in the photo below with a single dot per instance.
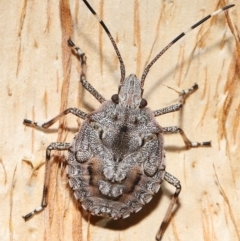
116 161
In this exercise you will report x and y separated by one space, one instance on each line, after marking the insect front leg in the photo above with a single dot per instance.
47 124
182 96
60 146
176 183
188 143
85 83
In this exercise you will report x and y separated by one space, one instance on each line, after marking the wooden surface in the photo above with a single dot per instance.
40 77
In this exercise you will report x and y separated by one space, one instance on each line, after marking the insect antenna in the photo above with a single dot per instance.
122 67
146 70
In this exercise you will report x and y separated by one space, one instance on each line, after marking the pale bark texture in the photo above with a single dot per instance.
39 78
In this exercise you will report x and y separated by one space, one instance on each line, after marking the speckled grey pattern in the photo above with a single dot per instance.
116 162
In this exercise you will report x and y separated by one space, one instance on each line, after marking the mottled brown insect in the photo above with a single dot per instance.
116 162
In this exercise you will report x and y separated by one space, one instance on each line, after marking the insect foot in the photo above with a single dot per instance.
116 161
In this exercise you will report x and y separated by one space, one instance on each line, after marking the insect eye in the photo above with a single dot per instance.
115 98
143 103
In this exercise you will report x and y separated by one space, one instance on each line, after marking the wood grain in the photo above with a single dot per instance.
40 78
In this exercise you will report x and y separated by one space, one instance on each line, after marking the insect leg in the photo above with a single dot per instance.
60 146
83 80
188 143
176 183
182 96
45 125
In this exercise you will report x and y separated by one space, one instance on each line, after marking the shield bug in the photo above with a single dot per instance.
116 162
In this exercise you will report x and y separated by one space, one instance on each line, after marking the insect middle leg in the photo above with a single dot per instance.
176 183
188 143
60 146
83 80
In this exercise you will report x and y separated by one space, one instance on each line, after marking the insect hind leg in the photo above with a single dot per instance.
60 146
176 183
